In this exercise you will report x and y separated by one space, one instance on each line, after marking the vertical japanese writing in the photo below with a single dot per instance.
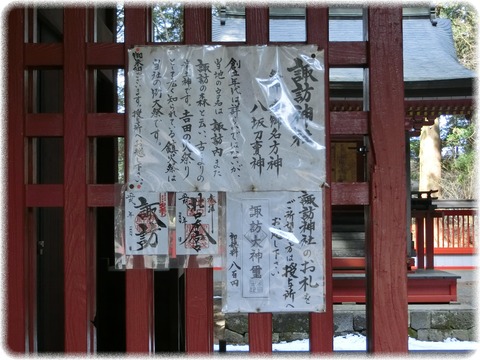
234 253
217 126
197 223
137 117
145 223
271 259
290 267
170 149
294 239
302 76
256 261
308 215
275 161
257 126
186 82
156 91
215 118
186 159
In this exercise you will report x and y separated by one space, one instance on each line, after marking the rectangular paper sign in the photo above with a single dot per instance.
274 252
197 223
218 118
146 223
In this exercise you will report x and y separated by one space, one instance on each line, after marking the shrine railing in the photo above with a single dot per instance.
453 231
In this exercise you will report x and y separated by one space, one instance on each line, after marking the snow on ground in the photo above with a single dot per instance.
355 342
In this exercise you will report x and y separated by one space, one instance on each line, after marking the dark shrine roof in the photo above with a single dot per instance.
431 67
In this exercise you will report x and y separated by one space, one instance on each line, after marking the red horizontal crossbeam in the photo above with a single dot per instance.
429 290
341 54
105 195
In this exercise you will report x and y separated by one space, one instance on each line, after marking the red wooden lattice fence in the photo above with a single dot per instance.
454 232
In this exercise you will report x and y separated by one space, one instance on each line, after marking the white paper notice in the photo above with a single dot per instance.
146 223
197 225
274 252
218 118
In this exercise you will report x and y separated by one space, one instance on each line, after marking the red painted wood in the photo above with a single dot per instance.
105 124
350 193
455 251
49 124
437 107
31 213
15 304
429 241
321 324
199 310
420 242
414 108
348 263
386 231
106 55
139 307
77 320
139 282
348 123
198 282
102 195
44 54
257 25
195 25
348 53
257 33
44 195
260 333
455 230
433 290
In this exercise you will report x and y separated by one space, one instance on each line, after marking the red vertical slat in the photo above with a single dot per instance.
446 240
441 239
198 282
420 231
259 325
15 301
451 231
260 333
139 282
77 320
429 248
321 324
462 231
91 178
257 25
467 230
386 244
199 310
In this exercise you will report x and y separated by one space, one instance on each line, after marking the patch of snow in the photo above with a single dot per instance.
356 342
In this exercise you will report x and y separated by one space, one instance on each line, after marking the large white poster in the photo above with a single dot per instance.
274 252
218 118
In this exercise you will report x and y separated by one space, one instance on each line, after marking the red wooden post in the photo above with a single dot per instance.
77 320
257 25
260 333
429 239
199 310
420 234
386 244
198 281
139 282
259 325
16 296
321 324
